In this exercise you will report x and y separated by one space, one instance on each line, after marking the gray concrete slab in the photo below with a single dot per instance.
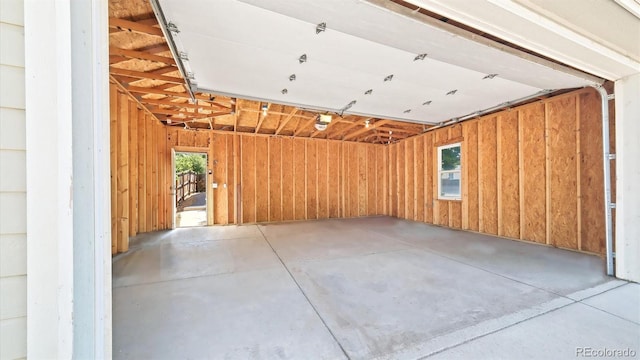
391 304
530 263
327 239
173 260
245 315
377 287
565 333
623 301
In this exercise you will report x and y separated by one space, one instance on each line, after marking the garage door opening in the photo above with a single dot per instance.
190 195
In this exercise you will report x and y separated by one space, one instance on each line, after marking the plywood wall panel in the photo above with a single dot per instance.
334 179
361 150
488 178
441 208
299 179
287 179
430 190
133 168
591 170
150 171
371 180
509 168
217 162
323 179
563 182
401 162
393 180
533 170
262 179
275 179
455 214
470 167
233 153
248 178
381 191
312 179
353 174
409 181
418 171
142 173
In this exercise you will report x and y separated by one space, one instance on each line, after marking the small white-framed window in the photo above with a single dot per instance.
449 172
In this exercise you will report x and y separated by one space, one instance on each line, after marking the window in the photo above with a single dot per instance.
449 173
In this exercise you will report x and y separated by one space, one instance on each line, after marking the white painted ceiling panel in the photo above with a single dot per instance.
249 48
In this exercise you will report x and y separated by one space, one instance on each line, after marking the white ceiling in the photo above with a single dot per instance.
249 48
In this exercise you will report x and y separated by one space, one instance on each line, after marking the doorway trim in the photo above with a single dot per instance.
208 178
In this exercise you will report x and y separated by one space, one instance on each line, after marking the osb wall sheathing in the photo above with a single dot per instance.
284 178
532 173
139 172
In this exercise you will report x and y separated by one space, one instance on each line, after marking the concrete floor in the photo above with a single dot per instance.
369 288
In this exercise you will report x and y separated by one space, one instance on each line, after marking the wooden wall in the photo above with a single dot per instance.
268 179
532 173
139 171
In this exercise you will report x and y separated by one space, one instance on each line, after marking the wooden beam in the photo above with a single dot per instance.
154 49
205 117
157 110
181 95
163 70
414 132
304 126
355 123
179 104
133 54
145 75
286 120
262 117
366 129
132 26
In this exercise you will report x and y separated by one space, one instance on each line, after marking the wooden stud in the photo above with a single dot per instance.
499 172
123 174
465 177
144 75
578 176
547 171
480 178
132 54
521 174
121 25
142 171
114 155
133 168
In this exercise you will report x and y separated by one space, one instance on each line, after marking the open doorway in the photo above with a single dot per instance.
190 196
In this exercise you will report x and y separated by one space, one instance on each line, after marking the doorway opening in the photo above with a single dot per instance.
190 196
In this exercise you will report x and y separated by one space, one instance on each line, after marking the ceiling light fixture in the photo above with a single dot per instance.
324 118
322 122
490 76
302 58
420 57
452 92
427 102
366 124
368 92
321 27
265 107
292 77
388 78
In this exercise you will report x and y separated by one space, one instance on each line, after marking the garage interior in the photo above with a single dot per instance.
334 238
